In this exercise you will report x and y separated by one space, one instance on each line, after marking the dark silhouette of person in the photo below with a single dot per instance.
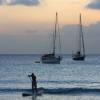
34 82
78 54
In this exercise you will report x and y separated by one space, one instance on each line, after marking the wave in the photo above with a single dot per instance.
69 81
69 91
52 81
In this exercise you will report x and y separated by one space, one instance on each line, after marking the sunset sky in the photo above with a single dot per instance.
25 25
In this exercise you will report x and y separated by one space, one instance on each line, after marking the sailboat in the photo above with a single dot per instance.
80 54
52 58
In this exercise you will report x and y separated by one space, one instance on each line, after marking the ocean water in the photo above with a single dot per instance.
70 80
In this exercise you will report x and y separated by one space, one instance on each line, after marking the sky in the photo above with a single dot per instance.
26 26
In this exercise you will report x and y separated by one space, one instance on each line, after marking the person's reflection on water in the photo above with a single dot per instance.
34 97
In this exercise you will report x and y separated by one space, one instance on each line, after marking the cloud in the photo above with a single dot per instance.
94 4
29 40
91 38
19 2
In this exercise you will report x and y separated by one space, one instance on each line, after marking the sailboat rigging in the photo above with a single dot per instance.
80 54
52 58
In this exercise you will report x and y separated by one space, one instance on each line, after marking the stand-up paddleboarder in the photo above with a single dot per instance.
34 82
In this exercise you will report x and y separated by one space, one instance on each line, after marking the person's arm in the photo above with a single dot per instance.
29 75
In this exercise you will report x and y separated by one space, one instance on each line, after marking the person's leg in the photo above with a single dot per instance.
35 87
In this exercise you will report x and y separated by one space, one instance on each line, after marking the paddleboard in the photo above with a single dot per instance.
39 93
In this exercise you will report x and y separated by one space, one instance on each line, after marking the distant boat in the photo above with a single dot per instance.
52 58
80 54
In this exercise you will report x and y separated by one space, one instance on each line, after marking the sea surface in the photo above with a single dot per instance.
70 80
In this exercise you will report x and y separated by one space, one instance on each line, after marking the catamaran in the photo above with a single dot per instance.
53 58
80 54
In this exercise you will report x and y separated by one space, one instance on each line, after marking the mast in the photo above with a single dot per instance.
81 35
79 41
55 34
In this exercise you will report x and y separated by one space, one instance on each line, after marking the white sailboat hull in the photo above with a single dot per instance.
51 59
